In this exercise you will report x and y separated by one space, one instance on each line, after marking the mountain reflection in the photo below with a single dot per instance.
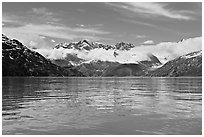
79 102
103 94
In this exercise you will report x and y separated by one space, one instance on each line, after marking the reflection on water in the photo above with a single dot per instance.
102 105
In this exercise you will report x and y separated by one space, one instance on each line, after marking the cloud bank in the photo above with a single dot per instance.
148 42
164 51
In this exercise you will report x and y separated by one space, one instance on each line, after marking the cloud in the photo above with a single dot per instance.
140 36
148 42
89 25
80 25
35 15
43 22
169 50
29 40
56 31
138 22
29 31
52 40
12 20
43 37
147 9
41 11
81 10
44 14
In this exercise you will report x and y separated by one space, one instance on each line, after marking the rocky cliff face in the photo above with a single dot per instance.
18 60
187 65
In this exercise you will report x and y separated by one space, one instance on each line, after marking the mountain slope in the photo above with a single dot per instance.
103 68
126 70
69 61
18 60
95 68
187 65
138 68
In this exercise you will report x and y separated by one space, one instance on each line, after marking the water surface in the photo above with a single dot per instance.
102 105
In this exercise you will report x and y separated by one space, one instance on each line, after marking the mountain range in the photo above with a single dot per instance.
186 65
18 60
86 45
100 66
86 58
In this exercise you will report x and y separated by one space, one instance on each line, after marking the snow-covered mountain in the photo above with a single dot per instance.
86 51
186 65
86 45
95 59
18 60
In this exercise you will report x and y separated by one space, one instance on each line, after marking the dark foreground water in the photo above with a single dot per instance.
102 106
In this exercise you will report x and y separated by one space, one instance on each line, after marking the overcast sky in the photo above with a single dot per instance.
46 24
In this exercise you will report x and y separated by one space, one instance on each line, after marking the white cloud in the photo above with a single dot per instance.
33 32
140 36
43 37
11 19
29 40
56 31
169 50
44 15
89 25
80 25
153 8
35 15
42 11
148 42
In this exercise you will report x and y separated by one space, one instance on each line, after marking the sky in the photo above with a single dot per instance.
43 25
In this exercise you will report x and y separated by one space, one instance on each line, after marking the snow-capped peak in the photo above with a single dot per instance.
87 45
124 46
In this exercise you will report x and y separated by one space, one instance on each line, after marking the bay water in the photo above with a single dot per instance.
112 106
